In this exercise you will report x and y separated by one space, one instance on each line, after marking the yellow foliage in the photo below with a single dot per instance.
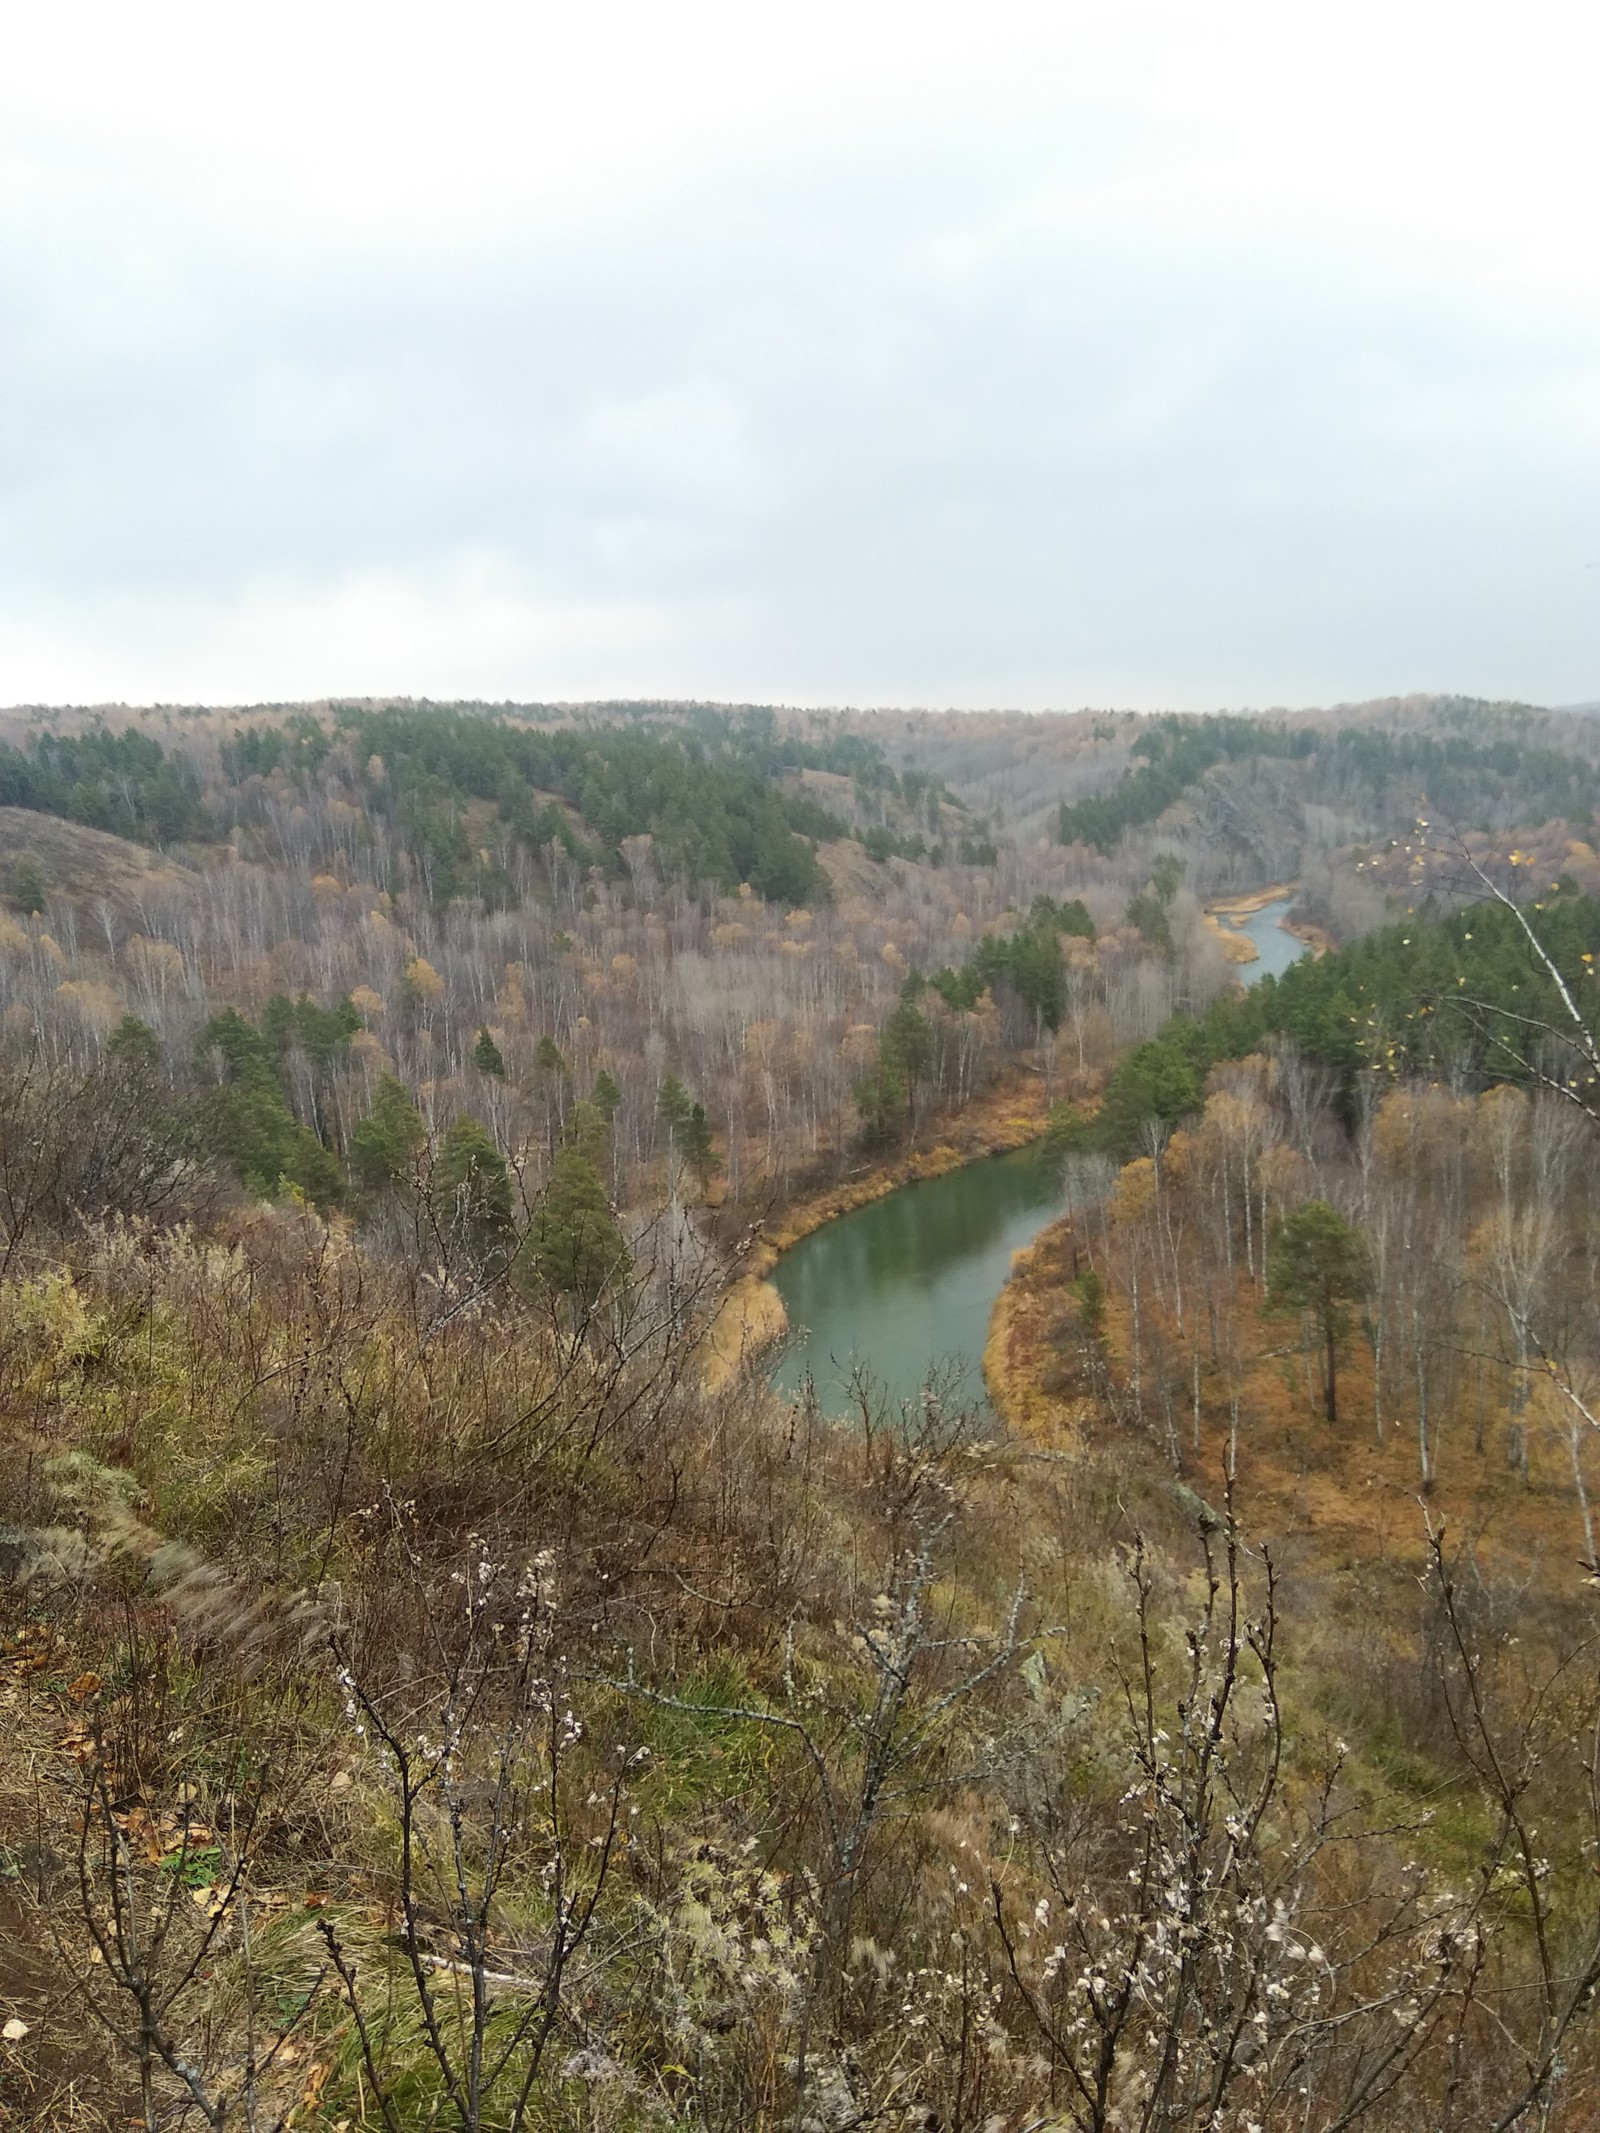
1285 1175
1135 1192
50 1305
156 961
98 1004
423 982
1179 1159
1420 1126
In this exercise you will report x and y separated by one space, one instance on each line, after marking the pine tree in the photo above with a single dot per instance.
1318 1263
673 1105
694 1143
486 1056
134 1046
905 1047
574 1244
247 1121
26 891
879 1096
606 1096
471 1190
383 1146
589 1131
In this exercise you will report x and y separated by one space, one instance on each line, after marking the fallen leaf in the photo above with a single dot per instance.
14 2031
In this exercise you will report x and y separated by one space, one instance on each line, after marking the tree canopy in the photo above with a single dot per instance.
1423 995
574 1243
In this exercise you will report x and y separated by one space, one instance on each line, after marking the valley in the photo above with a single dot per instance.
735 1418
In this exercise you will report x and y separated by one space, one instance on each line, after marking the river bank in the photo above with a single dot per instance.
1236 944
1226 918
1030 1383
752 1316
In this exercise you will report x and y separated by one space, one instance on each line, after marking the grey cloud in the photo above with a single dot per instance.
929 423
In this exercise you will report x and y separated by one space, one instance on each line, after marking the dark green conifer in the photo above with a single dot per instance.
384 1145
574 1244
471 1191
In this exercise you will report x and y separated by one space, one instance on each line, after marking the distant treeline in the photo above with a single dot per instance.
709 791
715 791
713 814
1177 753
1424 996
1462 778
121 782
708 788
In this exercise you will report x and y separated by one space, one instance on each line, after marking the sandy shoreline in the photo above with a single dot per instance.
1221 917
1251 902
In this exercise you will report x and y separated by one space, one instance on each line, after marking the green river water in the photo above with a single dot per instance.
909 1282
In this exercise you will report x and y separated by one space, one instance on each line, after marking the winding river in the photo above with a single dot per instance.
1276 948
908 1282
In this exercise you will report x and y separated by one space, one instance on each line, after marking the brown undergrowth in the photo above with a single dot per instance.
443 1710
1341 1508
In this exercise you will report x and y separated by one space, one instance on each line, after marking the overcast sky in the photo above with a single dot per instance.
1019 355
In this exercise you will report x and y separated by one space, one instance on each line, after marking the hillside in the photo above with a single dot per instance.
444 1684
82 866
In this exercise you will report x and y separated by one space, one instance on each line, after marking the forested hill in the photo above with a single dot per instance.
1485 772
445 1679
1423 997
720 795
711 804
125 782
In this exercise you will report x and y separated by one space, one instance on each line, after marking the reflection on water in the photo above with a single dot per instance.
908 1283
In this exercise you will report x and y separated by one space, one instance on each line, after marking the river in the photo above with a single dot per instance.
908 1282
1276 948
